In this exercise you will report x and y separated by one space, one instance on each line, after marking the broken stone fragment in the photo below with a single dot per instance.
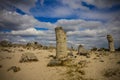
14 69
28 57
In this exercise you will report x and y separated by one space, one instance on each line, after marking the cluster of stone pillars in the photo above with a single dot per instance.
61 45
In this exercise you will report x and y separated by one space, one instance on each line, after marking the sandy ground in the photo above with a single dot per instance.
95 68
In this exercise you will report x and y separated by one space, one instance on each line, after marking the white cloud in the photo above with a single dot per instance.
15 21
29 31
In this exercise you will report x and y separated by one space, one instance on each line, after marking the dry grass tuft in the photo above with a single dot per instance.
111 72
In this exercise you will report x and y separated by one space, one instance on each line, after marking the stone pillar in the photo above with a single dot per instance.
110 43
61 45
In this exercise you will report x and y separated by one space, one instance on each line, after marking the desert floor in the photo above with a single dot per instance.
105 66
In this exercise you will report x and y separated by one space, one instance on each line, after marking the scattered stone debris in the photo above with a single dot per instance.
14 69
28 57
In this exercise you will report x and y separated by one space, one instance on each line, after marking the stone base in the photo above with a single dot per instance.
55 62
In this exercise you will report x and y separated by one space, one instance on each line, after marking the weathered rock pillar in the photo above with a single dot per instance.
110 43
61 45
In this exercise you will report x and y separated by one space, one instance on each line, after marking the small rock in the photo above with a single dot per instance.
82 72
28 57
101 60
14 68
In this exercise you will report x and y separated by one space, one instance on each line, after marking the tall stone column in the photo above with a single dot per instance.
110 43
61 45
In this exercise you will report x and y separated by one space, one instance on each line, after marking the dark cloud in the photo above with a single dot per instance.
112 1
12 5
103 3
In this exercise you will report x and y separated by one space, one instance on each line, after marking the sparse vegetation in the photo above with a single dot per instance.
112 72
94 49
75 71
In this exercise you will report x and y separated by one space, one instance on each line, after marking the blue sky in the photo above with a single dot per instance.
86 22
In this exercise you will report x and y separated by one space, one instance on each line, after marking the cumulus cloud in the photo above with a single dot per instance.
14 21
